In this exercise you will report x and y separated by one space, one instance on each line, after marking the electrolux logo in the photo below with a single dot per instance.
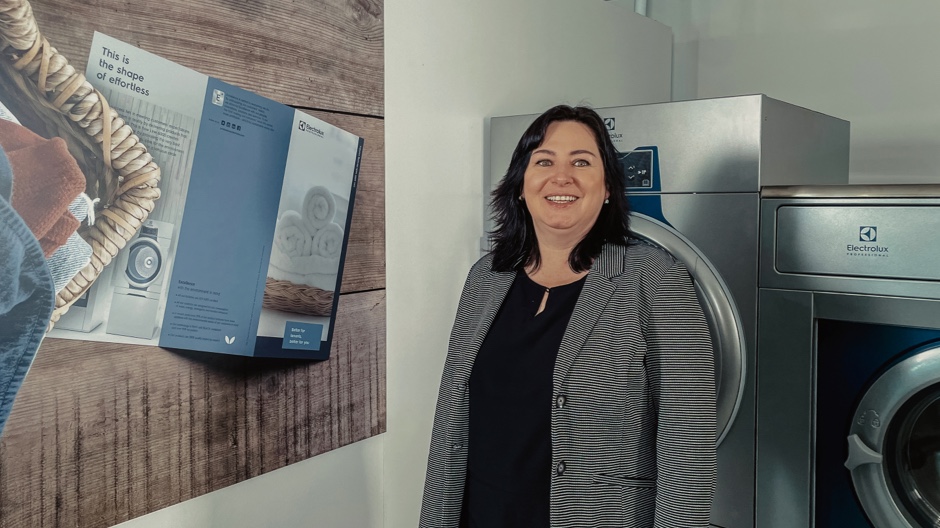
867 234
303 126
611 124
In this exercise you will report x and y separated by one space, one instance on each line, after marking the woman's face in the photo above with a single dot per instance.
564 186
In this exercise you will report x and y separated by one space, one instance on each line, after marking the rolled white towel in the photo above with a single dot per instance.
328 242
319 208
324 281
292 235
303 265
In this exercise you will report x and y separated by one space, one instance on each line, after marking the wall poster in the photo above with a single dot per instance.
258 232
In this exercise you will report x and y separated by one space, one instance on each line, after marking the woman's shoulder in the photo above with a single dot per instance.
482 266
481 272
641 254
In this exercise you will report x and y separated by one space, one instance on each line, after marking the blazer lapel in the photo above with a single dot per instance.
497 286
597 290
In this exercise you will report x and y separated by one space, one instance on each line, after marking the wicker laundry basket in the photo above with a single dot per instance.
57 100
287 296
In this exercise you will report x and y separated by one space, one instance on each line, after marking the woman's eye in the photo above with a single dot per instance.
581 163
544 163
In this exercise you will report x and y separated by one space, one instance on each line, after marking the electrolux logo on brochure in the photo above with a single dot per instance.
218 97
310 129
866 234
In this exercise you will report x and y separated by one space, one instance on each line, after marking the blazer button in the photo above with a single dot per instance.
560 401
456 447
560 468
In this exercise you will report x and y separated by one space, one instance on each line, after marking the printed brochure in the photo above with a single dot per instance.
244 251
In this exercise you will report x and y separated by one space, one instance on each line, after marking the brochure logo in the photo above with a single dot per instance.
303 126
867 233
229 340
218 97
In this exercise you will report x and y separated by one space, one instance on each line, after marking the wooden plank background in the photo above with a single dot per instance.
102 433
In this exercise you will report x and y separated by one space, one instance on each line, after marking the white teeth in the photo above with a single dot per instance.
560 199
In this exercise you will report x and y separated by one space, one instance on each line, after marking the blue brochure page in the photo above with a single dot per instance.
217 284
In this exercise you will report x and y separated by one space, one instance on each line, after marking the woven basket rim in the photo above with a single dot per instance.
132 176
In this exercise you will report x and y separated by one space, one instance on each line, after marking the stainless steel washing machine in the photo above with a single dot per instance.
848 402
139 282
694 170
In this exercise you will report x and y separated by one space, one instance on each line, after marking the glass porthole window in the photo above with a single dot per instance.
913 457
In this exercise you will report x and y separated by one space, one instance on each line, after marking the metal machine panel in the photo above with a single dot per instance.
798 144
785 409
810 258
858 241
708 145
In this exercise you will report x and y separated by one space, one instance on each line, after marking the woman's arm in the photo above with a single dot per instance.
681 367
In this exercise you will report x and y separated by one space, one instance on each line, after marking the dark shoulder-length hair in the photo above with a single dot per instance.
513 241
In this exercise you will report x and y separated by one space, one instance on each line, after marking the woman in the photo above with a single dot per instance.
579 384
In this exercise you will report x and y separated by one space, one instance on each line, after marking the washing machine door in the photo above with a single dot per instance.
724 321
894 444
144 262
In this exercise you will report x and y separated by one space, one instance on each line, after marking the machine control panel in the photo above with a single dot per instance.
637 168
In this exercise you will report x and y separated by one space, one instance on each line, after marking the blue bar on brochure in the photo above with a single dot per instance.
218 280
302 336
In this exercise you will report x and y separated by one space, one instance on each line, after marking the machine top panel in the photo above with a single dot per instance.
729 144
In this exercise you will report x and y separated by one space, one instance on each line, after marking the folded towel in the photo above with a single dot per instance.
319 208
328 242
292 236
303 265
324 281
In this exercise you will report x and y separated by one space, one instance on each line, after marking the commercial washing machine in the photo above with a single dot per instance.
694 170
139 281
849 357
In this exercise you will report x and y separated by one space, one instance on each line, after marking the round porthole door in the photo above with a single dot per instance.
724 321
894 444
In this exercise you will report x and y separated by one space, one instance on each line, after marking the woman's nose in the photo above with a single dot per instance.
563 175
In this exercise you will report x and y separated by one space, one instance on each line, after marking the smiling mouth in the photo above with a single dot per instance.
561 199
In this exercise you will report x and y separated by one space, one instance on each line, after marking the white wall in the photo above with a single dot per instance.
448 65
871 62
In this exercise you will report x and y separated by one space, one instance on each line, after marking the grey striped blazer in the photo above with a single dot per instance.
633 411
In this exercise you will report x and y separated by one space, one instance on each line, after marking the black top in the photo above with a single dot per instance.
509 449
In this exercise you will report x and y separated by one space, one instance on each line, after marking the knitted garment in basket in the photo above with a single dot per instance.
46 179
26 295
